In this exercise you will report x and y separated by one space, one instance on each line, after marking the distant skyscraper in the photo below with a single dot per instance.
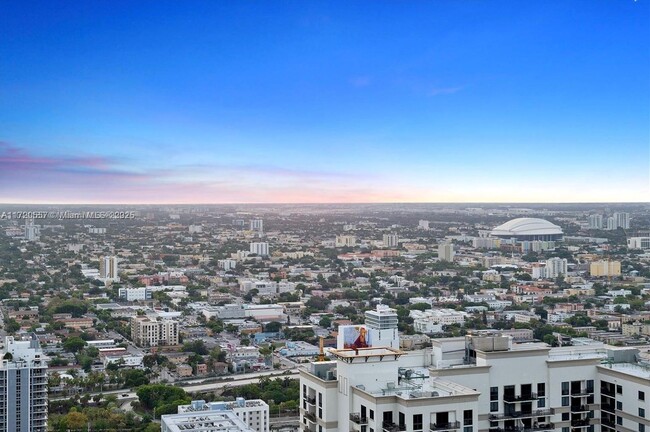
259 248
446 252
622 220
391 240
108 268
346 241
595 221
555 267
257 225
32 232
23 399
611 223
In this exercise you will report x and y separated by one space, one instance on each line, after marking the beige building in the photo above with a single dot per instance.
605 268
148 332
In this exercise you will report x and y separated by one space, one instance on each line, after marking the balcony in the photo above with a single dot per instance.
580 409
522 414
444 426
311 400
581 393
522 398
356 418
310 416
581 422
534 428
392 427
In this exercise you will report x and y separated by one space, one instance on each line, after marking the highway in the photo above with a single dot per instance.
200 385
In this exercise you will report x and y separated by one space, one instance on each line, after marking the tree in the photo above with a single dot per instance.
273 327
76 420
74 344
325 322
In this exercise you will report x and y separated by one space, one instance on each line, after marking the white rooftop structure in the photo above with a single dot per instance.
528 229
203 421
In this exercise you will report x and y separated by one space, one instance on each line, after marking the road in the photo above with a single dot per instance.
199 385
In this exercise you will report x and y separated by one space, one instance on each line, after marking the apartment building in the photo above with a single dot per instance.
149 331
481 383
253 412
23 380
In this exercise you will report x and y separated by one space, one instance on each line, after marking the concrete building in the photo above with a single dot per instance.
622 220
23 381
437 316
528 229
259 248
391 240
605 268
202 421
257 225
32 232
227 264
423 224
446 252
555 267
638 243
596 221
108 270
478 383
152 331
345 241
254 412
486 243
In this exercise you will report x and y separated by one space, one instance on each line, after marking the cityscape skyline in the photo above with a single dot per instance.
310 103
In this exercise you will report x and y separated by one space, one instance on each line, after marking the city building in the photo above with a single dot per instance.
596 221
605 268
423 224
478 383
522 229
23 378
147 331
446 252
622 220
108 270
254 412
486 243
555 267
203 421
227 264
345 241
32 232
259 248
257 225
391 240
638 243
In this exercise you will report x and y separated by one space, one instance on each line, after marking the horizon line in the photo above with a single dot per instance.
324 203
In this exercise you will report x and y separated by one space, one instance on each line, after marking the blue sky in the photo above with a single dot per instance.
181 102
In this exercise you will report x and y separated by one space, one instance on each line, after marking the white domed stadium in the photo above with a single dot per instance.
528 229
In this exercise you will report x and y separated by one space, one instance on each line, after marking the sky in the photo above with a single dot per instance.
301 101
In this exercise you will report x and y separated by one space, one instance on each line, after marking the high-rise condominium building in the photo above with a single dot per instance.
595 221
108 268
391 240
555 267
478 384
259 248
257 225
23 386
622 220
345 241
446 252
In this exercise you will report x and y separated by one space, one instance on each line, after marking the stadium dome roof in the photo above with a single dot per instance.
526 227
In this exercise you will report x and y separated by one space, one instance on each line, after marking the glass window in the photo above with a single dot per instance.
565 400
468 429
641 395
468 417
417 421
372 414
641 412
494 393
565 388
619 389
541 403
619 420
541 389
494 406
619 405
566 416
565 429
641 427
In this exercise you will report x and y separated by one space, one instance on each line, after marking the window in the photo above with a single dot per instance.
541 403
565 400
590 386
468 417
641 427
364 428
494 393
372 414
320 413
565 388
417 421
494 406
619 420
402 419
363 411
619 405
641 412
641 395
619 389
566 416
320 399
565 429
541 389
468 429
